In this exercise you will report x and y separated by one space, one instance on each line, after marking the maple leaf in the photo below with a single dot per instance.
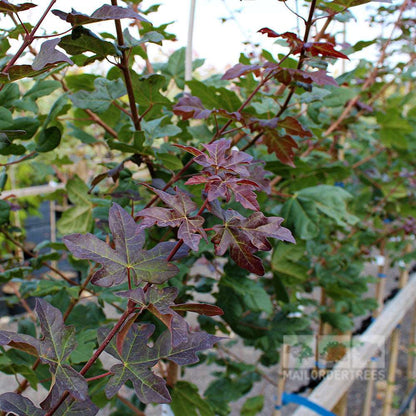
292 126
49 55
324 49
240 69
189 106
220 158
54 348
6 7
160 302
19 405
128 256
226 172
226 185
105 12
320 77
245 236
138 358
258 176
57 344
177 215
282 146
294 42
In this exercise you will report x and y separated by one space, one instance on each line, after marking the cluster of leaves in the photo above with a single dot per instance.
274 139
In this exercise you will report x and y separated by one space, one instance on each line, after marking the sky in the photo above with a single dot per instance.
222 27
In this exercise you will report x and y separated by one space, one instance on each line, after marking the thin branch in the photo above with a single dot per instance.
90 113
295 13
124 66
53 35
371 78
369 157
23 25
108 373
74 300
121 108
28 39
29 155
130 405
252 141
23 302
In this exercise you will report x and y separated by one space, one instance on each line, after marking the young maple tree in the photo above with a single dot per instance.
225 164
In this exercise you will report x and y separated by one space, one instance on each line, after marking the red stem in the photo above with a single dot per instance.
124 66
175 250
19 160
27 40
108 373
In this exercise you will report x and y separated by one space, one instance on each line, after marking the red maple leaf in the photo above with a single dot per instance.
179 214
324 49
189 106
245 236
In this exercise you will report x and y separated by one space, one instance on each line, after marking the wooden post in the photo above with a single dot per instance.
369 391
381 283
394 349
284 364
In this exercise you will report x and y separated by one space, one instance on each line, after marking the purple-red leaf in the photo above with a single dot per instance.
282 146
105 12
179 214
6 7
49 55
224 186
245 236
294 42
159 302
19 405
226 172
189 106
138 359
21 342
269 32
185 353
128 258
258 176
321 78
200 308
292 126
220 159
240 69
324 49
